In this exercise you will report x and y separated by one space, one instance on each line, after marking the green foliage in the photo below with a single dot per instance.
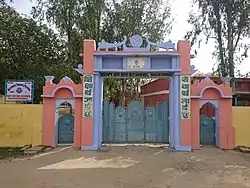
3 2
27 50
239 75
10 153
63 16
30 50
144 17
129 17
226 22
76 20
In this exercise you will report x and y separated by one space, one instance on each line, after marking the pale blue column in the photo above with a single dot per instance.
176 105
100 111
171 112
96 111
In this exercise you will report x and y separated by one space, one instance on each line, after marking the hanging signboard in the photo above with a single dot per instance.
88 96
22 90
185 96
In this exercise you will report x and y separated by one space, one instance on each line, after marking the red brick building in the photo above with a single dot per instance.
158 91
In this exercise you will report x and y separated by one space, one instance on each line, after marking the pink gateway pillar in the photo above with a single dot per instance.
88 68
184 49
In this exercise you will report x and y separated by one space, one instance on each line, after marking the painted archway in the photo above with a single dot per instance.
53 96
221 97
87 96
108 59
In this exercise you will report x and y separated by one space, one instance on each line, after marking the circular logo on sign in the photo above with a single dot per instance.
19 90
136 41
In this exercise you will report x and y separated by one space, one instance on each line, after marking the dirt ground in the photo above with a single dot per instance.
129 167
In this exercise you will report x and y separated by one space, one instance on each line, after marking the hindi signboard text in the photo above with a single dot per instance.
88 96
185 96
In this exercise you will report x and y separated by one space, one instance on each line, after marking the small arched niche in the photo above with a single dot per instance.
211 93
63 92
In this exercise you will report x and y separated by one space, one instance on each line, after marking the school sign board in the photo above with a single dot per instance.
22 90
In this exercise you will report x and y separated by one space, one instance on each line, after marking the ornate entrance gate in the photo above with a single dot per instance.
135 124
136 56
207 130
66 129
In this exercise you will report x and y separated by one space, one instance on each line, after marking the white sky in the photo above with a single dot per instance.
180 10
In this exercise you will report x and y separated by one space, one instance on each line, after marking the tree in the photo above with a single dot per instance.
129 17
91 13
62 15
3 2
239 75
27 50
227 22
76 20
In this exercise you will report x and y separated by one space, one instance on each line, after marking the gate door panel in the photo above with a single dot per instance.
162 123
120 132
207 130
135 124
66 129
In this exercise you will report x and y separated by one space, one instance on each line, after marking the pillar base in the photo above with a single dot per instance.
182 148
90 148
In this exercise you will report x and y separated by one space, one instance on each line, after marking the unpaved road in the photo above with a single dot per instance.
129 167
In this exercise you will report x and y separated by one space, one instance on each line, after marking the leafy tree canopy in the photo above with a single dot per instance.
27 50
30 50
227 22
76 20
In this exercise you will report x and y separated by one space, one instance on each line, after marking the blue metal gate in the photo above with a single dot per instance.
207 130
135 124
66 129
